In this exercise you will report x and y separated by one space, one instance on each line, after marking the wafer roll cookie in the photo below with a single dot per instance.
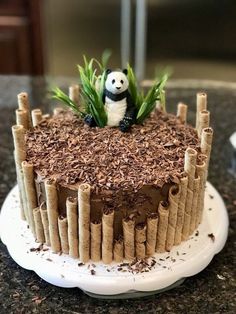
57 110
201 105
52 207
201 170
38 225
181 209
204 121
128 231
46 116
140 239
206 143
201 206
19 157
21 186
107 236
23 101
44 217
74 93
190 169
118 251
23 104
174 194
152 221
72 220
187 215
182 112
190 165
18 133
63 232
163 213
37 116
22 118
96 241
30 191
22 195
84 222
194 204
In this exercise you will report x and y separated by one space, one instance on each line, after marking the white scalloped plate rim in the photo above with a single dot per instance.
185 260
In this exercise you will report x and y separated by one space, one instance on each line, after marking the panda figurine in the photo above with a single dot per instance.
117 101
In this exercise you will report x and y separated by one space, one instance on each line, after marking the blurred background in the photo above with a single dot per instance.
196 38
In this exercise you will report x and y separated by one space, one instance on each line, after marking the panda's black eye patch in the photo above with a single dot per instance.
113 81
121 81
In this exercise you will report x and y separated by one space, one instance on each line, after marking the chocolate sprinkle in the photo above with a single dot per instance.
37 249
211 236
137 266
65 149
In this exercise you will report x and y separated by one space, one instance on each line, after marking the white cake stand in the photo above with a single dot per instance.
171 269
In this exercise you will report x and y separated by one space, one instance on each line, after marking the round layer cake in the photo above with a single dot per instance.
97 193
128 172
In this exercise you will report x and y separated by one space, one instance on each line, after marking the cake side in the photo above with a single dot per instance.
170 191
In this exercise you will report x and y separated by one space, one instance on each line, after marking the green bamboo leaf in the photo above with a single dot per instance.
136 95
58 94
105 58
156 92
89 93
102 84
142 110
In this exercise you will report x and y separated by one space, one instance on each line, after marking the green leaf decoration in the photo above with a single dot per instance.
136 96
61 96
156 92
91 96
92 79
105 58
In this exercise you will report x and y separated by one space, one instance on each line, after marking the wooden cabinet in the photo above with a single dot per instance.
21 50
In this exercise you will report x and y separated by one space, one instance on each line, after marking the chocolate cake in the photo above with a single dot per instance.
101 194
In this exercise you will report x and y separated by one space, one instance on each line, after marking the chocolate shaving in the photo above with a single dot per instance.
37 249
65 149
137 266
211 236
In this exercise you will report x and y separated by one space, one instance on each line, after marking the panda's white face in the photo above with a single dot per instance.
116 82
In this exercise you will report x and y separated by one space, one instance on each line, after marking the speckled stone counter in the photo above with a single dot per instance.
211 291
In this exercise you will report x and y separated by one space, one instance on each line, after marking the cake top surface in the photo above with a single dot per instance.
64 148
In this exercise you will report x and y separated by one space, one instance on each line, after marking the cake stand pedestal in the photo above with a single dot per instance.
109 281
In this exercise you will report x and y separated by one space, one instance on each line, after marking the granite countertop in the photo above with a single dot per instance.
211 291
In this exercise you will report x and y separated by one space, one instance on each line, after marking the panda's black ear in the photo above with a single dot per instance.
108 71
125 71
